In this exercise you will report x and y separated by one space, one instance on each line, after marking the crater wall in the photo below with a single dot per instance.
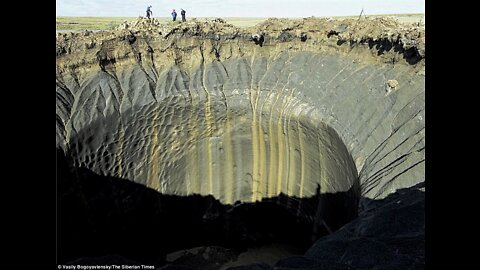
289 106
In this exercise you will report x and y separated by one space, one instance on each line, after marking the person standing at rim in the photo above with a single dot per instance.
183 12
174 15
149 12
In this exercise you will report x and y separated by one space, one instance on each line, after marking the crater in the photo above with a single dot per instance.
212 148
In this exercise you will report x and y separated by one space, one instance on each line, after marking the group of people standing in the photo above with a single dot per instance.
174 14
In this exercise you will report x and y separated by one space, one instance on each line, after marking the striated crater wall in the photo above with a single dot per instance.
289 106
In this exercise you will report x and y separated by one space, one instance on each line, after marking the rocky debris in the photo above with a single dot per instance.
87 33
258 39
152 25
391 85
219 20
381 34
141 23
303 36
388 234
90 44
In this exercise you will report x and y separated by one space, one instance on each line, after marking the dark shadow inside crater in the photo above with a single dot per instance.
102 216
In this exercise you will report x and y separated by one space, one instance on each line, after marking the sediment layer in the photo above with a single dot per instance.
289 106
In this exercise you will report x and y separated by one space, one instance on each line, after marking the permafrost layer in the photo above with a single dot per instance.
293 107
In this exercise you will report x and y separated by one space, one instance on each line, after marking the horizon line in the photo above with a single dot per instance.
376 14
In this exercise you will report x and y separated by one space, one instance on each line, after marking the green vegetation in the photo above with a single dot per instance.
89 23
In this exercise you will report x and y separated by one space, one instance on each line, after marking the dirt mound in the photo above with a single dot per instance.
354 31
153 25
379 34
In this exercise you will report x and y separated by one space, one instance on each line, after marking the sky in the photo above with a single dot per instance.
237 8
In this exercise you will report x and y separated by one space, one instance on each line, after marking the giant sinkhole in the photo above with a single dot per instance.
169 141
